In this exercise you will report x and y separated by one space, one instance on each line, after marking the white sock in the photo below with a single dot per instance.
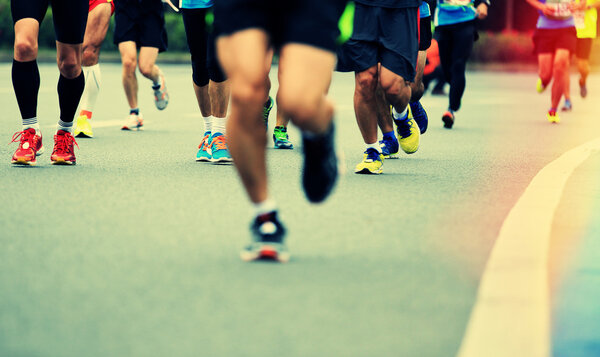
208 124
375 146
93 80
63 125
400 116
218 125
31 123
264 207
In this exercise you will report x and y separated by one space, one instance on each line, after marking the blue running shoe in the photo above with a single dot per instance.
218 149
267 110
420 115
204 149
281 139
389 147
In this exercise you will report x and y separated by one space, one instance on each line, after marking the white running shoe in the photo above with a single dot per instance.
133 122
161 96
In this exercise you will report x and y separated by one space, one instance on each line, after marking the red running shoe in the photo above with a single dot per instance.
64 153
30 146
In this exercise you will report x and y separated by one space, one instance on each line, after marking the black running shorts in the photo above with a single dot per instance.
424 33
583 48
382 35
311 22
549 40
201 43
69 16
142 22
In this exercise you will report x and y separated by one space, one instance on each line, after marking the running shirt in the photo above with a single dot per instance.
196 4
563 18
394 4
585 21
449 12
424 10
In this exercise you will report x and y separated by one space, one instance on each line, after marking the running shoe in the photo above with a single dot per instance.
268 235
389 147
372 163
30 146
267 110
161 96
553 117
567 107
83 128
203 153
281 139
64 152
448 119
320 169
133 122
420 115
409 134
582 88
218 149
539 86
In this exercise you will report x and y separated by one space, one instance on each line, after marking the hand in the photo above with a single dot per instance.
482 11
579 6
548 10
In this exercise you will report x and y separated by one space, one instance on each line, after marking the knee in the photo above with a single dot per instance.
129 65
25 49
248 92
366 84
417 91
69 67
146 69
90 56
561 65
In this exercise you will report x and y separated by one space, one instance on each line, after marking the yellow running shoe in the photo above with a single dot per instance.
553 117
371 164
409 135
540 87
83 128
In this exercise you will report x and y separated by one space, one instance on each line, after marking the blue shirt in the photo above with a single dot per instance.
424 10
394 4
449 12
565 18
196 4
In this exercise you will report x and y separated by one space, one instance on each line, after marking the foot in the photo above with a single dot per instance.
320 170
83 127
372 163
203 153
30 146
281 139
420 115
267 110
218 149
553 117
539 86
133 122
64 152
582 88
567 107
389 147
161 96
409 134
268 236
448 119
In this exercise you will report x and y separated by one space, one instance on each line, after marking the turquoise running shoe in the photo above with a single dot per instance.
281 139
218 149
203 149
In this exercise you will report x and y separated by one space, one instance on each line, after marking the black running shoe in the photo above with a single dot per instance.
448 119
268 235
320 170
267 110
420 115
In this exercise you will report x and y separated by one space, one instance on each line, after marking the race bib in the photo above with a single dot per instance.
456 2
561 8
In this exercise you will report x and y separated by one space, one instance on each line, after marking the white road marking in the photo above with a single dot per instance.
97 124
511 316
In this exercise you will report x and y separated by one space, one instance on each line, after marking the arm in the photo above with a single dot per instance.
543 8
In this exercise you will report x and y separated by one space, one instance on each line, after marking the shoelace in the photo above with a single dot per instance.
404 128
63 143
372 155
219 142
204 143
25 136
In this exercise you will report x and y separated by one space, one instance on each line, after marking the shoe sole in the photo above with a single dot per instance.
222 161
138 128
391 156
266 252
448 121
366 171
283 147
63 162
23 162
204 159
84 135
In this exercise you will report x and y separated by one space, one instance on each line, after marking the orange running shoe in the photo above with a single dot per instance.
64 152
30 146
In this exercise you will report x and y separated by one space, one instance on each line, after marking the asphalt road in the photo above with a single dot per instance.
134 251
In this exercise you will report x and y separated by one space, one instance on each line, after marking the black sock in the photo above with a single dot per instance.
69 94
26 83
135 111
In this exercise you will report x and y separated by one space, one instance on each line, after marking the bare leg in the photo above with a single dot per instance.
147 63
561 66
366 104
129 60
